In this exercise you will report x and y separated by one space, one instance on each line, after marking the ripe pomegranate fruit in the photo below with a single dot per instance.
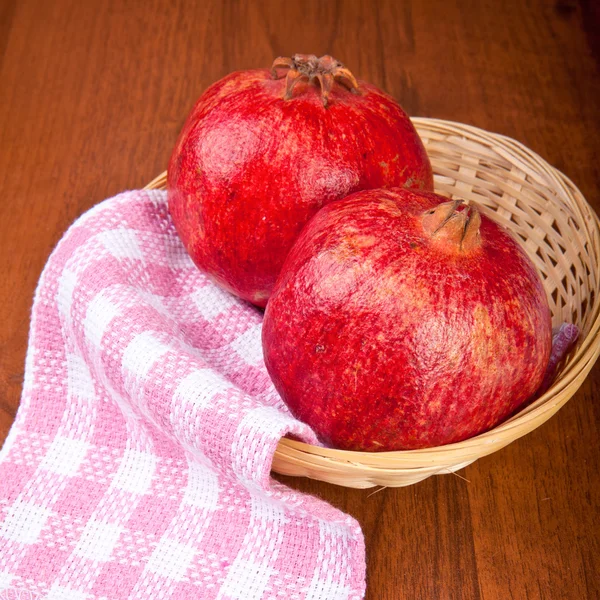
402 320
261 153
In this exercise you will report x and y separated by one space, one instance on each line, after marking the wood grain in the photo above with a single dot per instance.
93 95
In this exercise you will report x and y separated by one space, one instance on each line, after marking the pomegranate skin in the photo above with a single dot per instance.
249 169
384 333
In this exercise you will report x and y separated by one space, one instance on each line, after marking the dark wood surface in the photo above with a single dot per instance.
92 97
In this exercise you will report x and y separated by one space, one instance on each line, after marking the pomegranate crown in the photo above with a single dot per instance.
326 70
454 223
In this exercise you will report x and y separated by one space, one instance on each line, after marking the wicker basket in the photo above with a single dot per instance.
561 234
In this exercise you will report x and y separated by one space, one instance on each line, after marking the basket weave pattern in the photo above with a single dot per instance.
561 234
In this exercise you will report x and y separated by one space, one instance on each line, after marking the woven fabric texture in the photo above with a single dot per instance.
138 465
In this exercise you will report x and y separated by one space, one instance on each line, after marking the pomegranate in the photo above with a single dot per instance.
402 320
261 153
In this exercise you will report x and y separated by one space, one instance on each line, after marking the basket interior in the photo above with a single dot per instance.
536 203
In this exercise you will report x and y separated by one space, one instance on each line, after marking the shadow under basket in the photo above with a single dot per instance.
561 234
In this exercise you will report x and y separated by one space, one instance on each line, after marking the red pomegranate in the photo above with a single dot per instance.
260 154
402 320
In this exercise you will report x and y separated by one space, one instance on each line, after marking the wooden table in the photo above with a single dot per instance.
93 95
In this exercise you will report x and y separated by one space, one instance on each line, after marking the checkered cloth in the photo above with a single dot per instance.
138 465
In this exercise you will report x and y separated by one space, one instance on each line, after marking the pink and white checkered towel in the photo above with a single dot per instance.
138 465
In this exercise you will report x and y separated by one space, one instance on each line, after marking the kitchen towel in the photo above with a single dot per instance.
138 465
